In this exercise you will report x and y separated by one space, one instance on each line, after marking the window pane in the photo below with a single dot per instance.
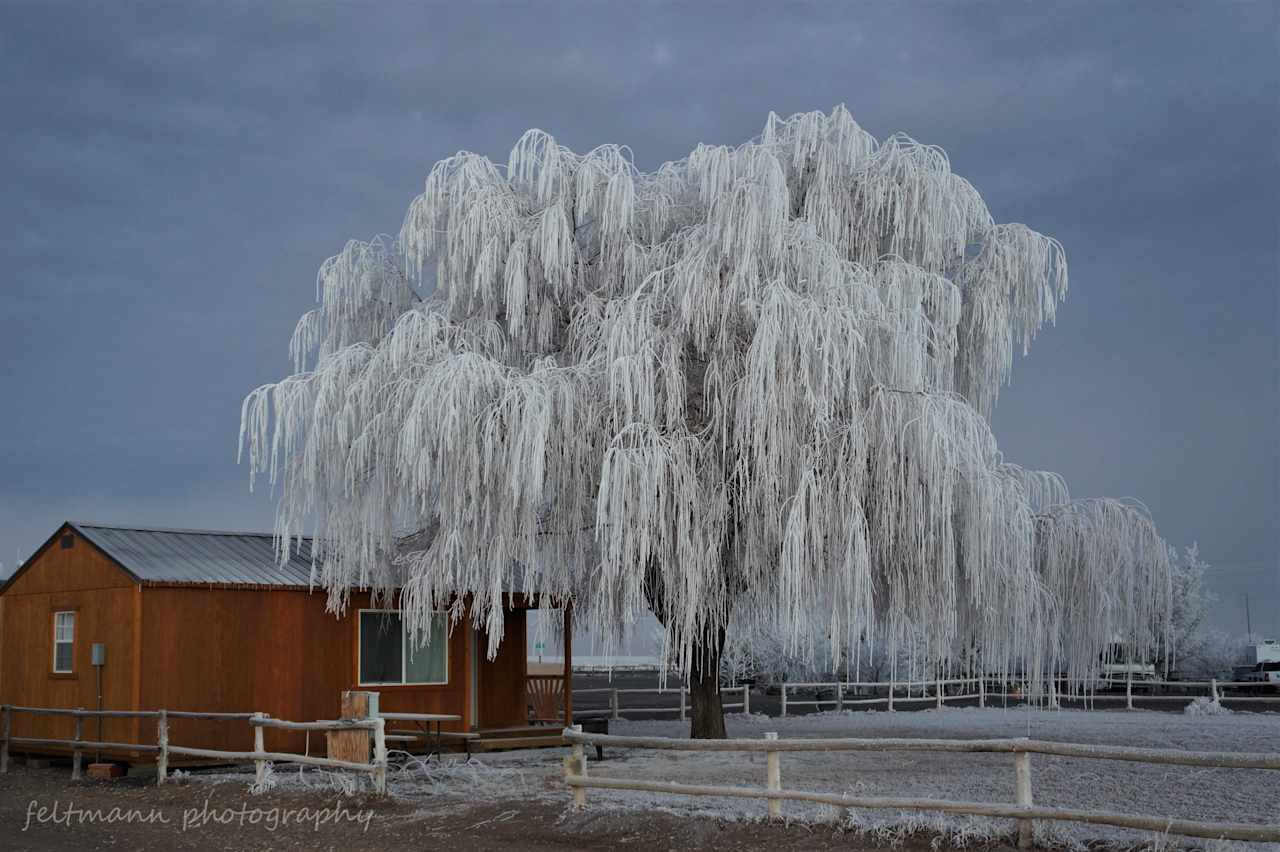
64 626
380 647
62 657
428 663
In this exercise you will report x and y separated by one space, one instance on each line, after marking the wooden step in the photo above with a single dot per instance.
504 743
521 731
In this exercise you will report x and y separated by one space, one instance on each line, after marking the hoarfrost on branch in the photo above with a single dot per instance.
753 384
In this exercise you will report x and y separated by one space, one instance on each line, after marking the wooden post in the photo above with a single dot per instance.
380 755
682 693
890 694
1213 690
773 777
76 756
568 664
162 740
613 704
982 692
577 765
1022 771
4 738
259 746
1128 691
746 698
784 698
939 701
352 744
839 697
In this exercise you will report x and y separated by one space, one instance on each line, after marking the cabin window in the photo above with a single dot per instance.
389 653
64 638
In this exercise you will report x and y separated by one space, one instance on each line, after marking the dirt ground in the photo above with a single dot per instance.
223 817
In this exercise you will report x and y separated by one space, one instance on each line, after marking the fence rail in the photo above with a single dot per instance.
847 694
259 722
1023 810
682 708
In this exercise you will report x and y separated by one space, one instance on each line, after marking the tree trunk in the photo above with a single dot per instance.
707 721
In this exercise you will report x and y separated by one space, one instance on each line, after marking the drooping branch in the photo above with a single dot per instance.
756 381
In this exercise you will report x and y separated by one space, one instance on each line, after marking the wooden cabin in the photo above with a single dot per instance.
211 621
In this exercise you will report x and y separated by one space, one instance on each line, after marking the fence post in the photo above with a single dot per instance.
259 747
682 690
982 692
1022 771
746 698
1213 690
162 740
890 694
4 738
773 776
380 755
939 701
1128 691
613 705
784 698
576 764
76 755
839 697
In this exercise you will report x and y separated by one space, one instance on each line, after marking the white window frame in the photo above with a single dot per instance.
404 651
70 641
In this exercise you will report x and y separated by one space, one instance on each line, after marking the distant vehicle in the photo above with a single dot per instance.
1240 674
1116 671
1265 675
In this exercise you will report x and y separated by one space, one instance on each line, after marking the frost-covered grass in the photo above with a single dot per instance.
1185 792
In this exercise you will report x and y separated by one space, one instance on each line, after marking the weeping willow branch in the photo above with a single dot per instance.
751 385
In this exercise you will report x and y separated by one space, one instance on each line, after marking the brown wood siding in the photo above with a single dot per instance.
80 568
502 679
82 579
276 652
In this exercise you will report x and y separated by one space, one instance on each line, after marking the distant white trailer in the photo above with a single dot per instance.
1265 670
1267 651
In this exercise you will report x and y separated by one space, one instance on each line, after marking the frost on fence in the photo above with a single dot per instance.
752 383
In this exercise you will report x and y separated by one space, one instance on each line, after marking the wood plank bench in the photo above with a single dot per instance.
435 739
504 743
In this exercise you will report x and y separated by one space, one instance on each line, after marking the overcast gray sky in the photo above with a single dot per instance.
175 174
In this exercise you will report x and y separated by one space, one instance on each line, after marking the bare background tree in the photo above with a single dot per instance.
752 383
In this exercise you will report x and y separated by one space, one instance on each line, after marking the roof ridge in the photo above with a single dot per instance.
177 530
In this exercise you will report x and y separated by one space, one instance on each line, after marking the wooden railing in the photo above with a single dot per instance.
682 707
850 694
545 694
162 748
971 688
1024 810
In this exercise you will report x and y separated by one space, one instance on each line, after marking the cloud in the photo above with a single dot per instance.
175 178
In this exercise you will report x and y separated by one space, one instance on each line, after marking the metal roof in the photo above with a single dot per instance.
201 556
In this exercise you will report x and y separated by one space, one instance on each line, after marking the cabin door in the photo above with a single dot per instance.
500 683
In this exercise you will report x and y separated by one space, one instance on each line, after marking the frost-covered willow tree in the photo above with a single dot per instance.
753 383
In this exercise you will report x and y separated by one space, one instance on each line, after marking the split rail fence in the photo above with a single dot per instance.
1024 810
163 749
850 694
